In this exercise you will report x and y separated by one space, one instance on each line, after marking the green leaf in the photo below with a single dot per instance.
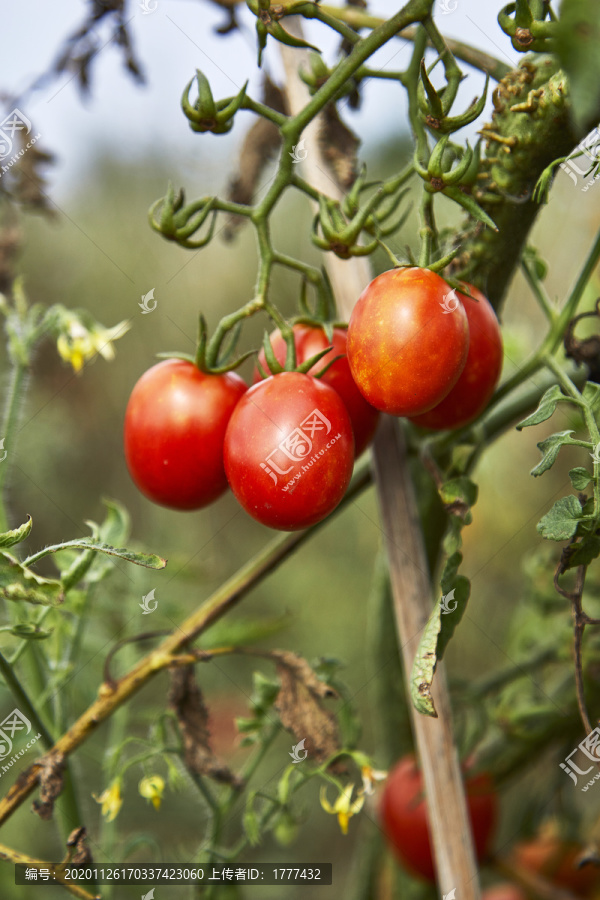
560 523
584 552
468 203
580 478
17 582
286 829
148 560
532 256
461 488
546 407
446 615
550 448
591 393
460 588
250 821
74 566
29 631
8 538
578 48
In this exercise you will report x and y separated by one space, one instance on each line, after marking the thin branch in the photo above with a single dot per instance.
18 858
228 595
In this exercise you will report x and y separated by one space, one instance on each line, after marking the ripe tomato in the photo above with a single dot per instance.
554 859
406 345
471 393
174 431
289 451
504 891
404 815
310 341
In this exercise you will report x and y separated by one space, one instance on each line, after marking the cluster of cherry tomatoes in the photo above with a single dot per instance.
286 446
543 864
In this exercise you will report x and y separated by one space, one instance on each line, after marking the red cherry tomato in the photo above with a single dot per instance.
174 431
556 861
310 341
471 393
407 344
289 451
404 815
505 891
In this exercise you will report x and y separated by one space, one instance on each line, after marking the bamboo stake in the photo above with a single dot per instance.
451 833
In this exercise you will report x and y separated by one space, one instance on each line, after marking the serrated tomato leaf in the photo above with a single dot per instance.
17 582
446 614
545 409
550 448
584 552
580 478
8 538
560 522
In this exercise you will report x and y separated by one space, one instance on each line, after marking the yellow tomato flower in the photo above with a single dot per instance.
152 788
344 807
370 775
77 343
111 800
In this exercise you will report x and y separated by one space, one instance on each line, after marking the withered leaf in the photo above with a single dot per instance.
11 238
339 146
79 853
299 704
186 701
231 22
50 779
258 148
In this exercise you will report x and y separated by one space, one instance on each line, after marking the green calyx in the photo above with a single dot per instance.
338 225
206 115
267 23
527 32
434 106
178 222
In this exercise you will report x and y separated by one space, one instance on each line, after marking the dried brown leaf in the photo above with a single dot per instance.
299 704
259 147
186 701
50 779
28 184
11 238
81 854
339 146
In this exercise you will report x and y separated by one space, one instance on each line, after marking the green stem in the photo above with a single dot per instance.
226 324
263 110
590 421
312 11
205 791
358 18
413 11
500 679
538 290
451 69
10 421
570 307
25 643
502 416
427 231
24 703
